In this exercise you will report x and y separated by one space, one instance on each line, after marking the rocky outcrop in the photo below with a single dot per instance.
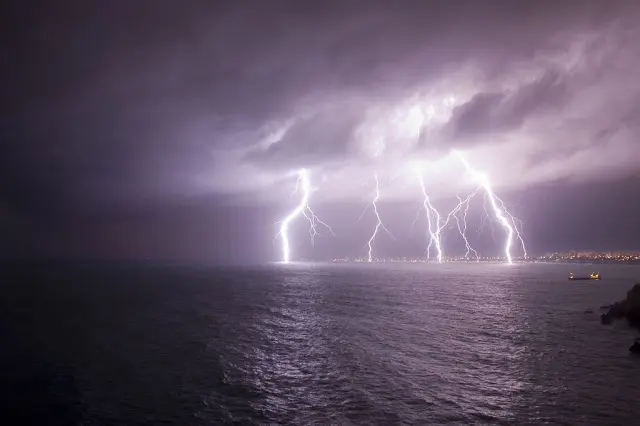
628 309
635 348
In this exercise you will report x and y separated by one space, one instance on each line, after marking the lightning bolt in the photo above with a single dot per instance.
435 236
462 229
303 209
505 218
433 221
379 223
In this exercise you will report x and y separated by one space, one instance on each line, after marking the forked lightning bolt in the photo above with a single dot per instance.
462 229
436 236
499 209
433 221
436 223
303 209
379 223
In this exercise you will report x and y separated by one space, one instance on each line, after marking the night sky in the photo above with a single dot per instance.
168 130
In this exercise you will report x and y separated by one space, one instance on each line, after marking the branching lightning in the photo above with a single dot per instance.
462 229
436 236
502 215
493 207
433 221
303 209
436 223
379 223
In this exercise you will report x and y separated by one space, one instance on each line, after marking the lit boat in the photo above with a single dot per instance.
593 276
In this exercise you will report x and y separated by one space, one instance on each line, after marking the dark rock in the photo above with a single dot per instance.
635 348
628 309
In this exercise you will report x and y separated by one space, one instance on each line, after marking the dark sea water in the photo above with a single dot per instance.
318 344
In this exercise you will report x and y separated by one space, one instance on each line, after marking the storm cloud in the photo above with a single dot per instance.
107 104
505 111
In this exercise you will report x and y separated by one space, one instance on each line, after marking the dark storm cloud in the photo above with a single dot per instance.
508 110
317 138
107 102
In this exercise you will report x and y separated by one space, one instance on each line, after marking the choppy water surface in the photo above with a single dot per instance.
315 344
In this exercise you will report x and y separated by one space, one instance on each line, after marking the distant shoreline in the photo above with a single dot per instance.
515 261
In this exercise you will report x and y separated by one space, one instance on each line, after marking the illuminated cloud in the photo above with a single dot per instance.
232 99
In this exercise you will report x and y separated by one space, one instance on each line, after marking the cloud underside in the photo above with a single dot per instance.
235 100
527 104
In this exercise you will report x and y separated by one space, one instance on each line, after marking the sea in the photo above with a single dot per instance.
315 344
